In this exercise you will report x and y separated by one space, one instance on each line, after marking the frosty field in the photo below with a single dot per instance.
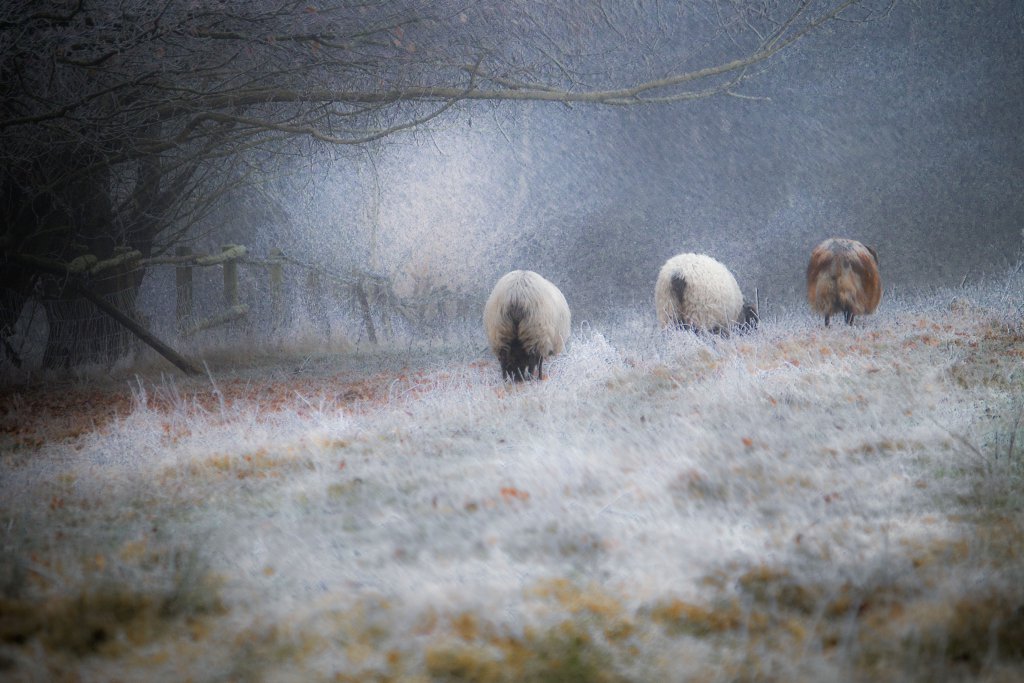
798 504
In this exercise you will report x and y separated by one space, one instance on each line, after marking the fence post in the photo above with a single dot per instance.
183 289
125 297
364 304
315 303
385 299
230 278
276 287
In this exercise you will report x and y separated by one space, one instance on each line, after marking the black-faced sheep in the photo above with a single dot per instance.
843 276
527 319
696 292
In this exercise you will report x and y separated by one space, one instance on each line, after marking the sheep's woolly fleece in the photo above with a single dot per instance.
843 276
713 298
803 504
546 321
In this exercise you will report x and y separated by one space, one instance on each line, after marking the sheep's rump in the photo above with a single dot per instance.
843 276
695 290
526 319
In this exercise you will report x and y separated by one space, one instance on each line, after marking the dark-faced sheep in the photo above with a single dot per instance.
843 276
697 292
527 320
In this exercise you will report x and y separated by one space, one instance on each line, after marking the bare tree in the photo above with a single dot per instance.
122 123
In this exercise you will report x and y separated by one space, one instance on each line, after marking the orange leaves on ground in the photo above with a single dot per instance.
33 416
511 493
926 324
173 433
37 415
925 339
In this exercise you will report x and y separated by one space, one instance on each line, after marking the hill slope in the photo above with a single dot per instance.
798 504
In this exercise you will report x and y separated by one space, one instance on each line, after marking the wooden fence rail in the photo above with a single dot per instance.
318 281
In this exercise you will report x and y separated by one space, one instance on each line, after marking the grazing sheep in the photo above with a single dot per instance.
527 319
696 292
843 276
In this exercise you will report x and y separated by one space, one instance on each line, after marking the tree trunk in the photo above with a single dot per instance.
60 225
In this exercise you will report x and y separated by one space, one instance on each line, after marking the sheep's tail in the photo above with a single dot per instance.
516 361
678 284
842 285
832 286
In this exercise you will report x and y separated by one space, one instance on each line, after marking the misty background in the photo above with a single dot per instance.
403 155
903 133
794 504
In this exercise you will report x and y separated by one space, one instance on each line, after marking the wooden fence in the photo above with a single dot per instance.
370 295
367 290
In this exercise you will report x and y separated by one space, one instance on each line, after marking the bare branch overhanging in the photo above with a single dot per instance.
223 103
119 86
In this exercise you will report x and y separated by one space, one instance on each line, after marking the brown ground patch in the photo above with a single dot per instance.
33 416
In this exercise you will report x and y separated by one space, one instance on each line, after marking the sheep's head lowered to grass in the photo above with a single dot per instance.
697 292
843 276
527 319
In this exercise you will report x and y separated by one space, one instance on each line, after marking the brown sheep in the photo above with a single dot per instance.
843 276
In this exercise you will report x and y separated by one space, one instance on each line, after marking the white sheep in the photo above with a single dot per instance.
527 319
696 292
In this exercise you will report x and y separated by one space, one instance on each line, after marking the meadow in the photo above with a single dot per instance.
798 504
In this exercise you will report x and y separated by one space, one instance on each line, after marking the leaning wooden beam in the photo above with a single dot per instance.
185 365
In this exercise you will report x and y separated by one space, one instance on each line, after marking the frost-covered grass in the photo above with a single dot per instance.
799 504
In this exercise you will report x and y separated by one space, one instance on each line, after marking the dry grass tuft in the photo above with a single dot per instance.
566 652
110 616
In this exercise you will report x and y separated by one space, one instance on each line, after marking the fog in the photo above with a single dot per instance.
794 503
902 133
